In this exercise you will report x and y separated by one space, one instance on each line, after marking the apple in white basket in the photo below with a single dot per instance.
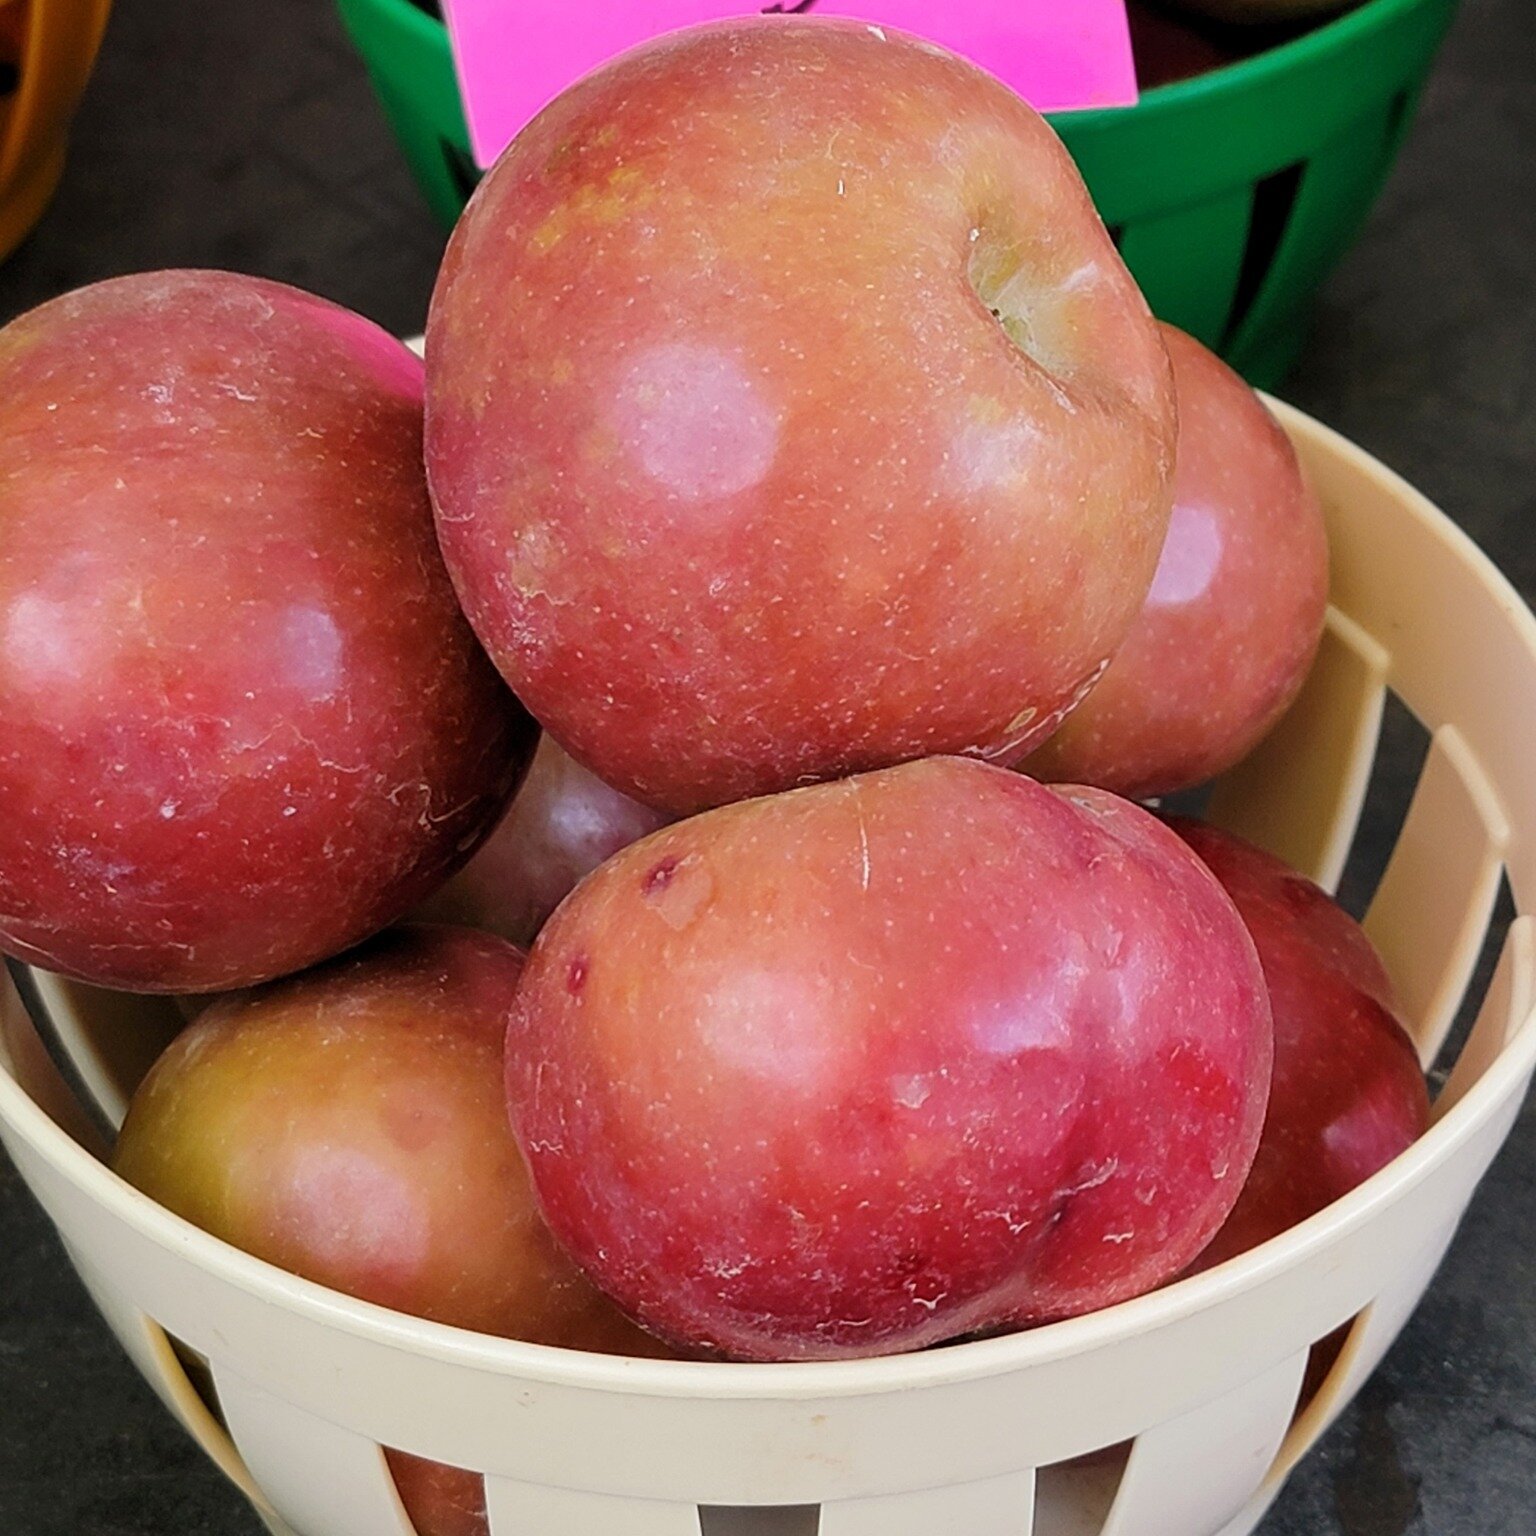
870 1065
1349 1094
1228 632
564 822
348 1124
790 413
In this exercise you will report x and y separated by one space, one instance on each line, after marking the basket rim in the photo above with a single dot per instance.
952 1365
1349 27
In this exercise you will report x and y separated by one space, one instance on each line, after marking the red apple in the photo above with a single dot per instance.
562 825
871 1065
790 413
1348 1093
1230 627
349 1125
245 722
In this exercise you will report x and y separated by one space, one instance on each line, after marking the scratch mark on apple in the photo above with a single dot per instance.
1094 1180
858 806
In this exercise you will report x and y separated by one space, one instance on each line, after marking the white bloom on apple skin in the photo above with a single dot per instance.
41 644
762 1023
988 455
695 421
311 647
1190 558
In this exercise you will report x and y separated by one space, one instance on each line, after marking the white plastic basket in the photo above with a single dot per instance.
1203 1378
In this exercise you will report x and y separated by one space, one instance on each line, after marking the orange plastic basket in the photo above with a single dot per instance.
47 48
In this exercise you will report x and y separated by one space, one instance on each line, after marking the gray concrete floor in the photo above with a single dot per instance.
244 135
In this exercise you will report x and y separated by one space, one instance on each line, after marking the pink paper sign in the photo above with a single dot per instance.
514 56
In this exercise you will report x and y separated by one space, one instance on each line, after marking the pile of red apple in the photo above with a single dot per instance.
794 444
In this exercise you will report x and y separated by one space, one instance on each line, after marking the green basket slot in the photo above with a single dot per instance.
1232 196
1196 296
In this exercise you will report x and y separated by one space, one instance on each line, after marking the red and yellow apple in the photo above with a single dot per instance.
563 823
245 723
349 1125
790 413
1228 631
870 1065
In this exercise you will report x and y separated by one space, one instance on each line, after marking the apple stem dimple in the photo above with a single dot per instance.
993 273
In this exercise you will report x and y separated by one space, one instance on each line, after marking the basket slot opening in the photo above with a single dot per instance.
997 1506
1300 792
104 1042
176 1373
462 170
199 1378
1195 296
1074 1498
1504 1007
435 1496
314 1473
1475 997
1193 802
1431 909
1395 773
1344 1359
532 1509
26 1053
1273 199
1329 1365
1199 1471
1399 115
777 1520
1306 222
185 1383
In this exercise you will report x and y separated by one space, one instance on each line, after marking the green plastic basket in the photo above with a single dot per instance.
1231 195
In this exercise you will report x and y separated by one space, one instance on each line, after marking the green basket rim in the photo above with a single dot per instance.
1341 31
